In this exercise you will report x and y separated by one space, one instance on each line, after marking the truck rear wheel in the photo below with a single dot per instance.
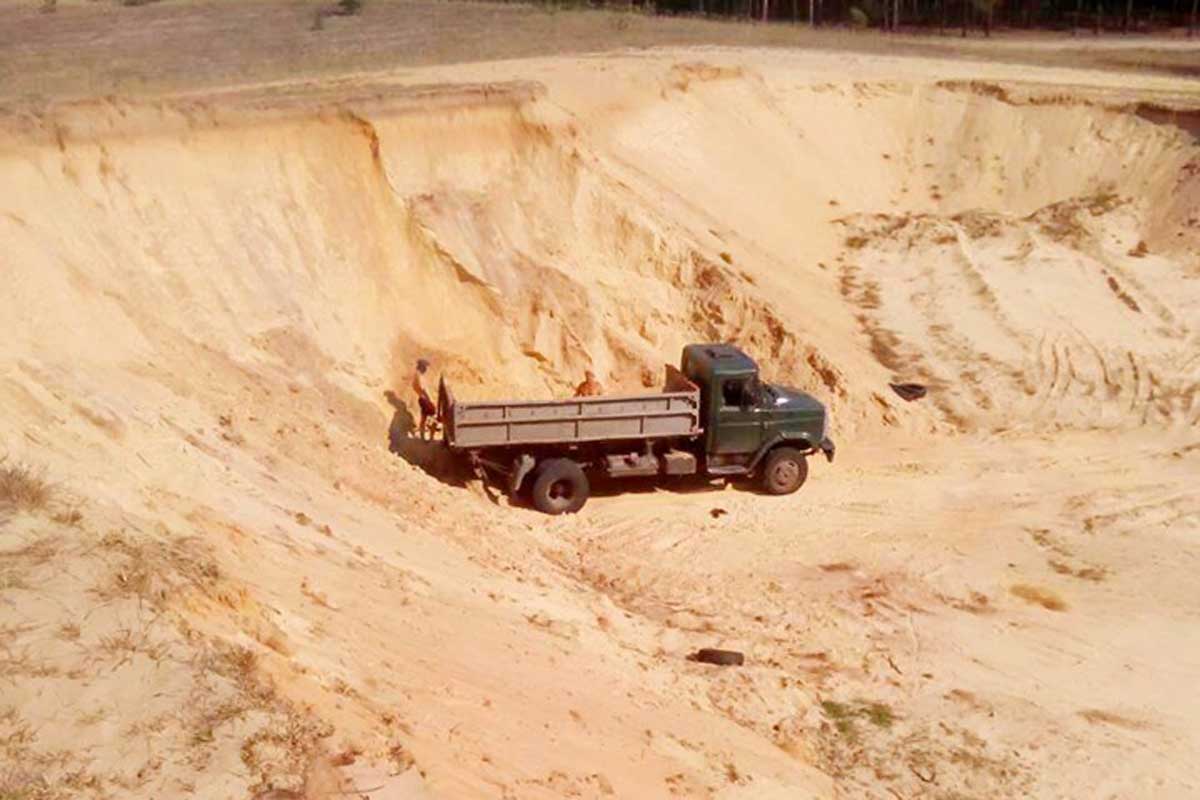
560 487
785 471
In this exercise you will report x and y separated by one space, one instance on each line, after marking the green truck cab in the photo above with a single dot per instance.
746 418
714 416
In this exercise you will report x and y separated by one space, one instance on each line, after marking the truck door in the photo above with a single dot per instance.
739 425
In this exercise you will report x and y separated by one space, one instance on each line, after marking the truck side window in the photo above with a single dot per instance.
732 393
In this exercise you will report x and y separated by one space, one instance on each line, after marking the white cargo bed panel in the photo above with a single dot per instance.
580 419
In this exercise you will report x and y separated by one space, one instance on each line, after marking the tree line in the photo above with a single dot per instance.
947 16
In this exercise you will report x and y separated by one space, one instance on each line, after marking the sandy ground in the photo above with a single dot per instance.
248 579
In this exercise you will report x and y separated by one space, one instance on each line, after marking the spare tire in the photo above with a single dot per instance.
560 487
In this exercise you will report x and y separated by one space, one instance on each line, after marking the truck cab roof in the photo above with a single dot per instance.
706 361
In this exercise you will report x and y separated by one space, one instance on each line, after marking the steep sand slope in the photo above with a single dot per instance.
208 296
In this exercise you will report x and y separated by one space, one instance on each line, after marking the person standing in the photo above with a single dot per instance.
590 386
420 386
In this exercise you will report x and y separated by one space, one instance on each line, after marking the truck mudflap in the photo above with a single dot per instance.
827 447
522 466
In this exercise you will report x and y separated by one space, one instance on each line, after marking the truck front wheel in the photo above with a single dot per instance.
560 487
785 471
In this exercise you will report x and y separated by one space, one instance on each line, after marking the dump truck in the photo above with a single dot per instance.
714 416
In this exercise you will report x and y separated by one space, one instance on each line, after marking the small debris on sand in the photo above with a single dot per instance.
909 391
721 658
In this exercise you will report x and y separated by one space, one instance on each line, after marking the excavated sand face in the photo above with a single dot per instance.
518 244
206 299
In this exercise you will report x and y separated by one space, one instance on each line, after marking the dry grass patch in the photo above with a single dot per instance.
1094 574
207 700
155 570
16 564
20 784
1043 538
71 517
22 771
1045 598
231 693
122 645
974 603
843 715
1099 717
23 488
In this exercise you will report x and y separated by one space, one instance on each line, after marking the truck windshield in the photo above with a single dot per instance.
743 393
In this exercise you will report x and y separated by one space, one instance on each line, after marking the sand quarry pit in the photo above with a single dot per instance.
234 586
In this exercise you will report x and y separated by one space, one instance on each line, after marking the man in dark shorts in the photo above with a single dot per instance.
420 387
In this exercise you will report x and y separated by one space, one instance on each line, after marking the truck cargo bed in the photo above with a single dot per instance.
673 412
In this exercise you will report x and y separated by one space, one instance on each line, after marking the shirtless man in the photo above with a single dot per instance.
420 388
590 386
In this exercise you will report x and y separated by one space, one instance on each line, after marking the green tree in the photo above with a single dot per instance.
987 8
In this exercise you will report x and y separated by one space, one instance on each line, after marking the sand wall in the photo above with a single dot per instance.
518 242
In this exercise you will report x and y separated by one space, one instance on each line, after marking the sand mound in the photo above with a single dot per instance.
1019 321
206 299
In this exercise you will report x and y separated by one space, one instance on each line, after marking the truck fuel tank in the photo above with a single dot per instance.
672 462
678 462
631 464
